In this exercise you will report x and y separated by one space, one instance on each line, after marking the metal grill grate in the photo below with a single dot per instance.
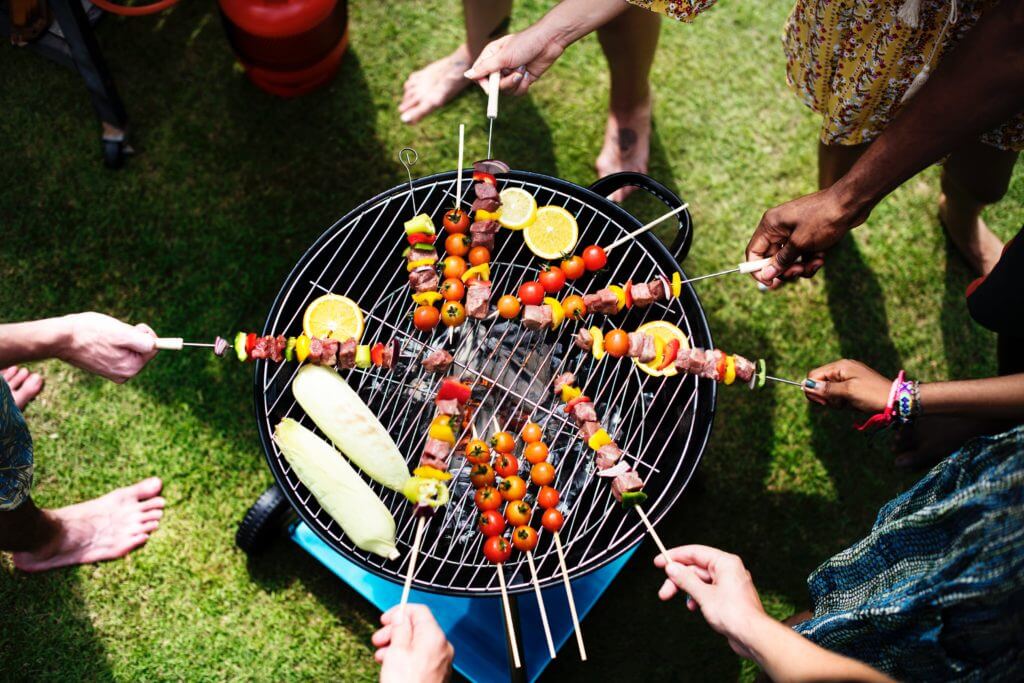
661 424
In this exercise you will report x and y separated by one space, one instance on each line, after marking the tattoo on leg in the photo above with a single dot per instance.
627 138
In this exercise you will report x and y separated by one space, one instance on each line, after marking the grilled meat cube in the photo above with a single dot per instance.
607 456
316 348
696 361
482 233
641 294
347 354
427 460
478 300
566 379
627 481
602 301
710 369
588 429
636 344
423 279
657 289
648 351
488 205
280 344
259 349
448 406
537 317
329 355
745 369
437 449
584 412
584 339
389 355
439 361
489 227
485 191
682 359
420 254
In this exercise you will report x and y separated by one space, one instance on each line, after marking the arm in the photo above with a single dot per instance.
978 86
719 586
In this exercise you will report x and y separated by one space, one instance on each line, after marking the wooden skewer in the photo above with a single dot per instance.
177 344
654 534
540 603
458 172
412 565
645 228
568 594
509 626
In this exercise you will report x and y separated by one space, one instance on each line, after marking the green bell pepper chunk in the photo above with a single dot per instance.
633 498
289 350
420 224
240 347
363 356
424 491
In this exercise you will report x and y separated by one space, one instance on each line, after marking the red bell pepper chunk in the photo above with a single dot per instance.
421 238
720 368
671 351
629 293
250 342
377 354
479 177
453 389
572 404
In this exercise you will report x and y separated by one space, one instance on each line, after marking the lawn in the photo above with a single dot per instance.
230 185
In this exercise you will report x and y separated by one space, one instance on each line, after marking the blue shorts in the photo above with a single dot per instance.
16 462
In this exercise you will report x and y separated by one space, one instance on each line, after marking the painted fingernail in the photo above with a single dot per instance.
762 287
810 383
516 77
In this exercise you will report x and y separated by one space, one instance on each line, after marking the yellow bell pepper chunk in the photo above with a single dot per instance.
302 348
482 215
413 265
557 312
598 348
600 438
431 473
677 284
420 224
483 271
659 353
730 369
570 392
427 298
621 294
441 429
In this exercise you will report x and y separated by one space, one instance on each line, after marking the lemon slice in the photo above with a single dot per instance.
518 208
663 332
334 316
553 234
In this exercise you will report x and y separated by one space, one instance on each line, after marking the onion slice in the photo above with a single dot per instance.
614 471
492 166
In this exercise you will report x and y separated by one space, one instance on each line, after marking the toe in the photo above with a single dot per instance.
154 503
147 488
19 377
8 372
147 527
151 515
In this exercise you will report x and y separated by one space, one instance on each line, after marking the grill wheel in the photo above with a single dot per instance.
262 522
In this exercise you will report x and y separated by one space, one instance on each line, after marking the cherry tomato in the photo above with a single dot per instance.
453 313
506 465
490 523
425 318
452 289
532 433
574 307
573 267
535 452
511 488
518 512
524 538
497 549
454 266
547 497
456 221
479 255
508 307
531 293
594 257
478 452
616 343
482 475
457 244
487 498
552 520
552 280
503 442
542 474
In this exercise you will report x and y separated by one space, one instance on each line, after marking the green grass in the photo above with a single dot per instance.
228 188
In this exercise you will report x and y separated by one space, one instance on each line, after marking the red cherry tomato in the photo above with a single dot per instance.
552 520
456 221
452 289
524 538
536 452
490 523
479 255
574 307
503 442
454 266
478 452
457 244
532 433
552 280
518 512
531 293
616 343
497 549
487 498
508 307
425 318
482 475
511 488
547 497
594 257
506 465
542 474
573 267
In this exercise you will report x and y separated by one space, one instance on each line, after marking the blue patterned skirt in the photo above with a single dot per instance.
936 590
16 463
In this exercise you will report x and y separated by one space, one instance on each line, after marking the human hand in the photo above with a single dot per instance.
521 58
412 647
849 384
106 346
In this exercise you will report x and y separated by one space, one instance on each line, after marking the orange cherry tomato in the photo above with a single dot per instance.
497 549
511 488
524 538
506 465
547 497
574 307
452 289
573 267
503 442
552 520
425 318
487 498
478 452
508 307
535 452
531 432
456 220
457 244
518 513
479 255
616 343
482 475
542 474
453 313
454 266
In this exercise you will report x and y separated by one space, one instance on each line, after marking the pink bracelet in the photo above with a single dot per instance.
886 417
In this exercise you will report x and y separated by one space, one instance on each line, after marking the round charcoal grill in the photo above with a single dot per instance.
662 424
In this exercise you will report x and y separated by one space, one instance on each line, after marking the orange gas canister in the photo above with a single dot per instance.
288 47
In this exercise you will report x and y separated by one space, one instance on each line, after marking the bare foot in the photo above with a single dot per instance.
978 245
627 144
932 438
24 385
104 528
435 85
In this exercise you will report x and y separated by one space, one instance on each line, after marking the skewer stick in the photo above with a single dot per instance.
509 626
654 534
645 228
412 565
568 595
809 383
458 171
492 106
177 344
540 603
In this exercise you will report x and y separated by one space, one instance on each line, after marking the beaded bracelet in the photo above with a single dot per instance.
907 401
886 417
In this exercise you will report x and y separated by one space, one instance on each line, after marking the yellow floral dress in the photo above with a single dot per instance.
853 61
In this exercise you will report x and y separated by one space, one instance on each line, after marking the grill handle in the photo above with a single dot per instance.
680 246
